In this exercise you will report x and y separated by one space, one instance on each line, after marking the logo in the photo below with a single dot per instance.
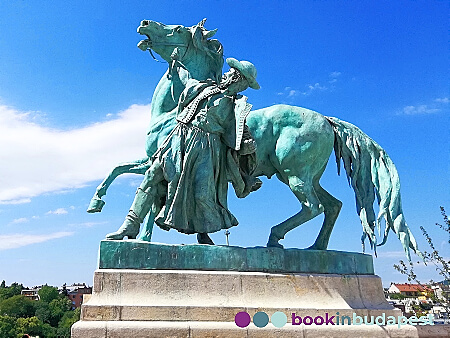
279 319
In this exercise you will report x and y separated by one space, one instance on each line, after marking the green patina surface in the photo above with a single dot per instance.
292 143
135 254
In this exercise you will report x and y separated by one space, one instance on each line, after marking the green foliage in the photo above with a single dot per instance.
58 307
70 318
31 326
48 293
8 292
17 306
396 296
432 257
51 316
43 311
7 327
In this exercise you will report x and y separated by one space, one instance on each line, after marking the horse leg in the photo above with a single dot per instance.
135 167
332 206
311 207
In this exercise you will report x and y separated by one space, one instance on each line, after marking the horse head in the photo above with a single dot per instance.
190 46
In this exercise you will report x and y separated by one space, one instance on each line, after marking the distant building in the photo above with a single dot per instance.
441 290
76 292
31 293
411 290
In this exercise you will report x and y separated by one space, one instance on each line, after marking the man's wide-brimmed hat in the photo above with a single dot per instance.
247 69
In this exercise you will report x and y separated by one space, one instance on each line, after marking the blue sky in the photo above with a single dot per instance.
74 101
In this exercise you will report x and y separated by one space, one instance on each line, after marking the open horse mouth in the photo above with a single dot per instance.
147 43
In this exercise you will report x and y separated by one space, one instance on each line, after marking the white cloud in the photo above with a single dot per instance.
391 254
37 159
19 240
313 88
19 220
59 211
419 110
333 77
442 100
335 74
87 224
16 201
436 106
293 93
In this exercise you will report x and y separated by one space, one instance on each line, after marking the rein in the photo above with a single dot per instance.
174 54
174 59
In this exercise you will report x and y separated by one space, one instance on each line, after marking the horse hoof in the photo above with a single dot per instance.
95 205
314 247
275 245
273 242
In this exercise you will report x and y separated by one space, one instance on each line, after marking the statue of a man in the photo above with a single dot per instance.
209 146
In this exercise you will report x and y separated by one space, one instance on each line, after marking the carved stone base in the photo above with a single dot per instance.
132 329
162 303
155 301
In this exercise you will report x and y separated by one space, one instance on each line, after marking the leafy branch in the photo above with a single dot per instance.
432 257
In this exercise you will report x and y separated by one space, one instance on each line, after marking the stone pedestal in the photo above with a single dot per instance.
156 302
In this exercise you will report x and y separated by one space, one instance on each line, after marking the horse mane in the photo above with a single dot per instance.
212 47
215 52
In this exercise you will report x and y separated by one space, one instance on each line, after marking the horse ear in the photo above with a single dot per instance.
209 34
201 23
197 37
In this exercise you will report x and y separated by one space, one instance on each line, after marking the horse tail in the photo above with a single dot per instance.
371 172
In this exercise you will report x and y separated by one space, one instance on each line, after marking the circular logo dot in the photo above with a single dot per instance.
242 319
260 319
278 319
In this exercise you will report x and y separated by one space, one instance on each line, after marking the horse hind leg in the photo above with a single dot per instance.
311 207
332 206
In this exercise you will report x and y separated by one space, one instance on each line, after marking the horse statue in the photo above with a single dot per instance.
293 143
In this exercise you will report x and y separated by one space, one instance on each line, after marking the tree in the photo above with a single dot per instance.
13 290
398 296
7 326
68 319
32 326
17 306
43 311
48 293
433 257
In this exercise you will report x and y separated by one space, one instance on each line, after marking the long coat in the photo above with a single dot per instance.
197 162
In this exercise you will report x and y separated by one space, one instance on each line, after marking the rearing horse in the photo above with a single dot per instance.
293 143
190 53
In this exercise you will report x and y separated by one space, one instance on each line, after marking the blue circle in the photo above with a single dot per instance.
278 319
260 319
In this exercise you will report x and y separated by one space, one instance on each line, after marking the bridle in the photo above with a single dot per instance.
174 57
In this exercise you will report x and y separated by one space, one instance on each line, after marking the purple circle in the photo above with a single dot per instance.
242 319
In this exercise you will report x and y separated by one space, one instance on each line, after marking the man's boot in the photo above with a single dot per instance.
139 209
